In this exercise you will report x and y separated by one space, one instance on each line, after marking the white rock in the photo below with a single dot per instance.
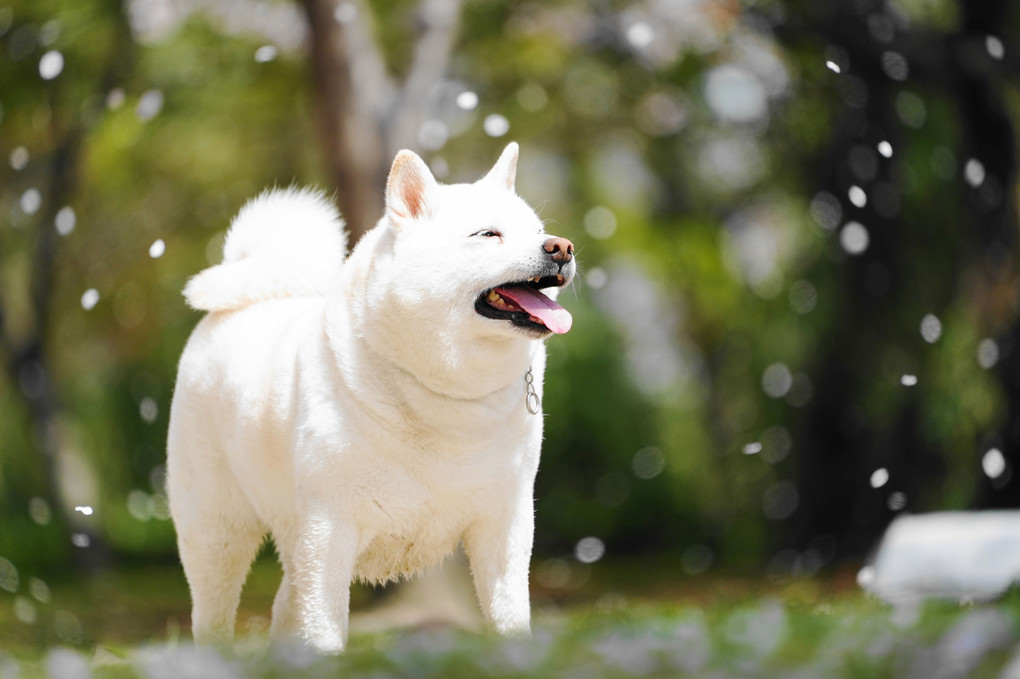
957 555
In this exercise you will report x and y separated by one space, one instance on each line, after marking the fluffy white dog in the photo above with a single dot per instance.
369 412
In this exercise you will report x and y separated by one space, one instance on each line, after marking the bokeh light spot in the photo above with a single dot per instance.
496 125
897 501
803 297
467 100
879 477
648 463
854 238
149 104
996 50
89 299
987 353
931 328
993 463
600 222
974 172
735 94
18 158
777 380
265 54
65 220
589 550
148 409
51 64
30 201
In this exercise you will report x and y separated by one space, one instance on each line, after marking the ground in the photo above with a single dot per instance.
612 620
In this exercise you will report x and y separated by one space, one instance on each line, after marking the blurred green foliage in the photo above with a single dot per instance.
683 154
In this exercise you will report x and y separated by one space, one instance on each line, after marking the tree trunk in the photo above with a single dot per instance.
353 143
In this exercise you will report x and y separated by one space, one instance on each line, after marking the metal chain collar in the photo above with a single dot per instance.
533 402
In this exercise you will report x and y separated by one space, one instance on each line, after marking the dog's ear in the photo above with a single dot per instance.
410 189
504 172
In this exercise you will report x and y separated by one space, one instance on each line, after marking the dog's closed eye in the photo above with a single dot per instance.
488 233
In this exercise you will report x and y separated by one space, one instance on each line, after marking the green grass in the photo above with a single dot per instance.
134 624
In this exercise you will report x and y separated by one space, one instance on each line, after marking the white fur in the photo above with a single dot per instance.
362 412
284 243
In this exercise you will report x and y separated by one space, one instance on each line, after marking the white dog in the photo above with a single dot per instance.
369 412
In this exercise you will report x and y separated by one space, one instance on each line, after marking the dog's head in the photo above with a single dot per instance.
470 256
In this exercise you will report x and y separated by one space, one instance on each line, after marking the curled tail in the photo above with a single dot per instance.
284 243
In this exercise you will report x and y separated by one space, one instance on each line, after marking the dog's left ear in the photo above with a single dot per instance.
410 189
504 172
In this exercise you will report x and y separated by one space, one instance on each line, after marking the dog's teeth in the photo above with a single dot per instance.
559 279
534 279
493 296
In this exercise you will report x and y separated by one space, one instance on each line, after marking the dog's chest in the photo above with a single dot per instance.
409 530
416 515
391 555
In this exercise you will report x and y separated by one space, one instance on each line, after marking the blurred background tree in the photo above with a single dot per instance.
797 311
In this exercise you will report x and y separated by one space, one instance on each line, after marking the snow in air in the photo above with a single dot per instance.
854 238
51 64
987 353
157 249
996 50
908 380
885 148
467 100
752 448
65 220
832 66
974 172
18 158
993 463
589 550
640 35
496 125
879 477
265 53
150 104
857 196
148 409
31 201
777 380
931 328
84 510
89 299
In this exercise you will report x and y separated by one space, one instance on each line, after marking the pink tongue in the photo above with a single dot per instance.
555 317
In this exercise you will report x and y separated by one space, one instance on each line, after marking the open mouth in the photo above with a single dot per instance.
524 305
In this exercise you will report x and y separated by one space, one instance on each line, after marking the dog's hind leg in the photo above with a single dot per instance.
218 535
285 619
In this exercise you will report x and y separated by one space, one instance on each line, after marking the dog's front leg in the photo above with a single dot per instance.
324 560
499 549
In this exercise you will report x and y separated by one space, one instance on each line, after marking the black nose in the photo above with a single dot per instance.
561 249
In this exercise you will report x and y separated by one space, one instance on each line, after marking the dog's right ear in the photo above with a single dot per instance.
410 189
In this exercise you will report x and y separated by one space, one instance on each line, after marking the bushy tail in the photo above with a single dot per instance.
284 243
